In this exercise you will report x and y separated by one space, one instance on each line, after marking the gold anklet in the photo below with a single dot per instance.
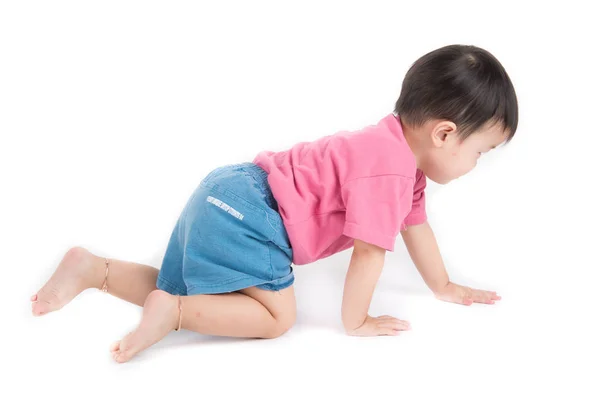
105 284
180 309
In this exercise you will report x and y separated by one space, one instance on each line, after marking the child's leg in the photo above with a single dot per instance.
80 270
252 313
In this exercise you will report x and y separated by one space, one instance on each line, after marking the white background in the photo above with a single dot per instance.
111 112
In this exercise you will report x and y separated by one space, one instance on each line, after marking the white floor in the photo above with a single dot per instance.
111 112
536 341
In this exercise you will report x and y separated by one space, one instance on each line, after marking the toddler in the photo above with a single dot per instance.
227 268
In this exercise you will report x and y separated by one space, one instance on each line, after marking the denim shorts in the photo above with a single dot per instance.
228 237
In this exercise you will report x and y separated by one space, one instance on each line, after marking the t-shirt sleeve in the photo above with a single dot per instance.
417 214
376 208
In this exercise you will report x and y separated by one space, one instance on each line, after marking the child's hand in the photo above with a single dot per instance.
454 293
380 326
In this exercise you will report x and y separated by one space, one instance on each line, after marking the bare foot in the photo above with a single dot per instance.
77 271
160 316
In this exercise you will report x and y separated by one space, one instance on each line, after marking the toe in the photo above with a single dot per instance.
115 346
34 297
124 349
39 308
46 300
123 356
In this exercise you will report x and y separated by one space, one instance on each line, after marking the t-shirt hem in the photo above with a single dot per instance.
416 219
358 232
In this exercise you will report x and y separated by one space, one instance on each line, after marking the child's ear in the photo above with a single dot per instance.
441 132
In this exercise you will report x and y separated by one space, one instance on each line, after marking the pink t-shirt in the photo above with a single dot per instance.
351 185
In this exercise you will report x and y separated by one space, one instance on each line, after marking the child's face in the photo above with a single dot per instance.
450 158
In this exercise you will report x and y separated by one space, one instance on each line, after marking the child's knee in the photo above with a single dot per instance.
281 325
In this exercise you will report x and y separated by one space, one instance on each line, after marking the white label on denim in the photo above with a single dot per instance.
226 207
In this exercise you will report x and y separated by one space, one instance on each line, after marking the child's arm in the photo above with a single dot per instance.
424 251
364 271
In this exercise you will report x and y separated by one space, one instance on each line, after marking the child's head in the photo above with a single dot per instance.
456 103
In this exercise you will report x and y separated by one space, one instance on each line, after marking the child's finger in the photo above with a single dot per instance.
487 300
394 327
398 325
484 300
478 296
487 295
388 332
390 319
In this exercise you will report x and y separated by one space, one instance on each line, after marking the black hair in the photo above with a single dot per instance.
463 84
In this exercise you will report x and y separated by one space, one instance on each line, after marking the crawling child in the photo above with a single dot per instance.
227 269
